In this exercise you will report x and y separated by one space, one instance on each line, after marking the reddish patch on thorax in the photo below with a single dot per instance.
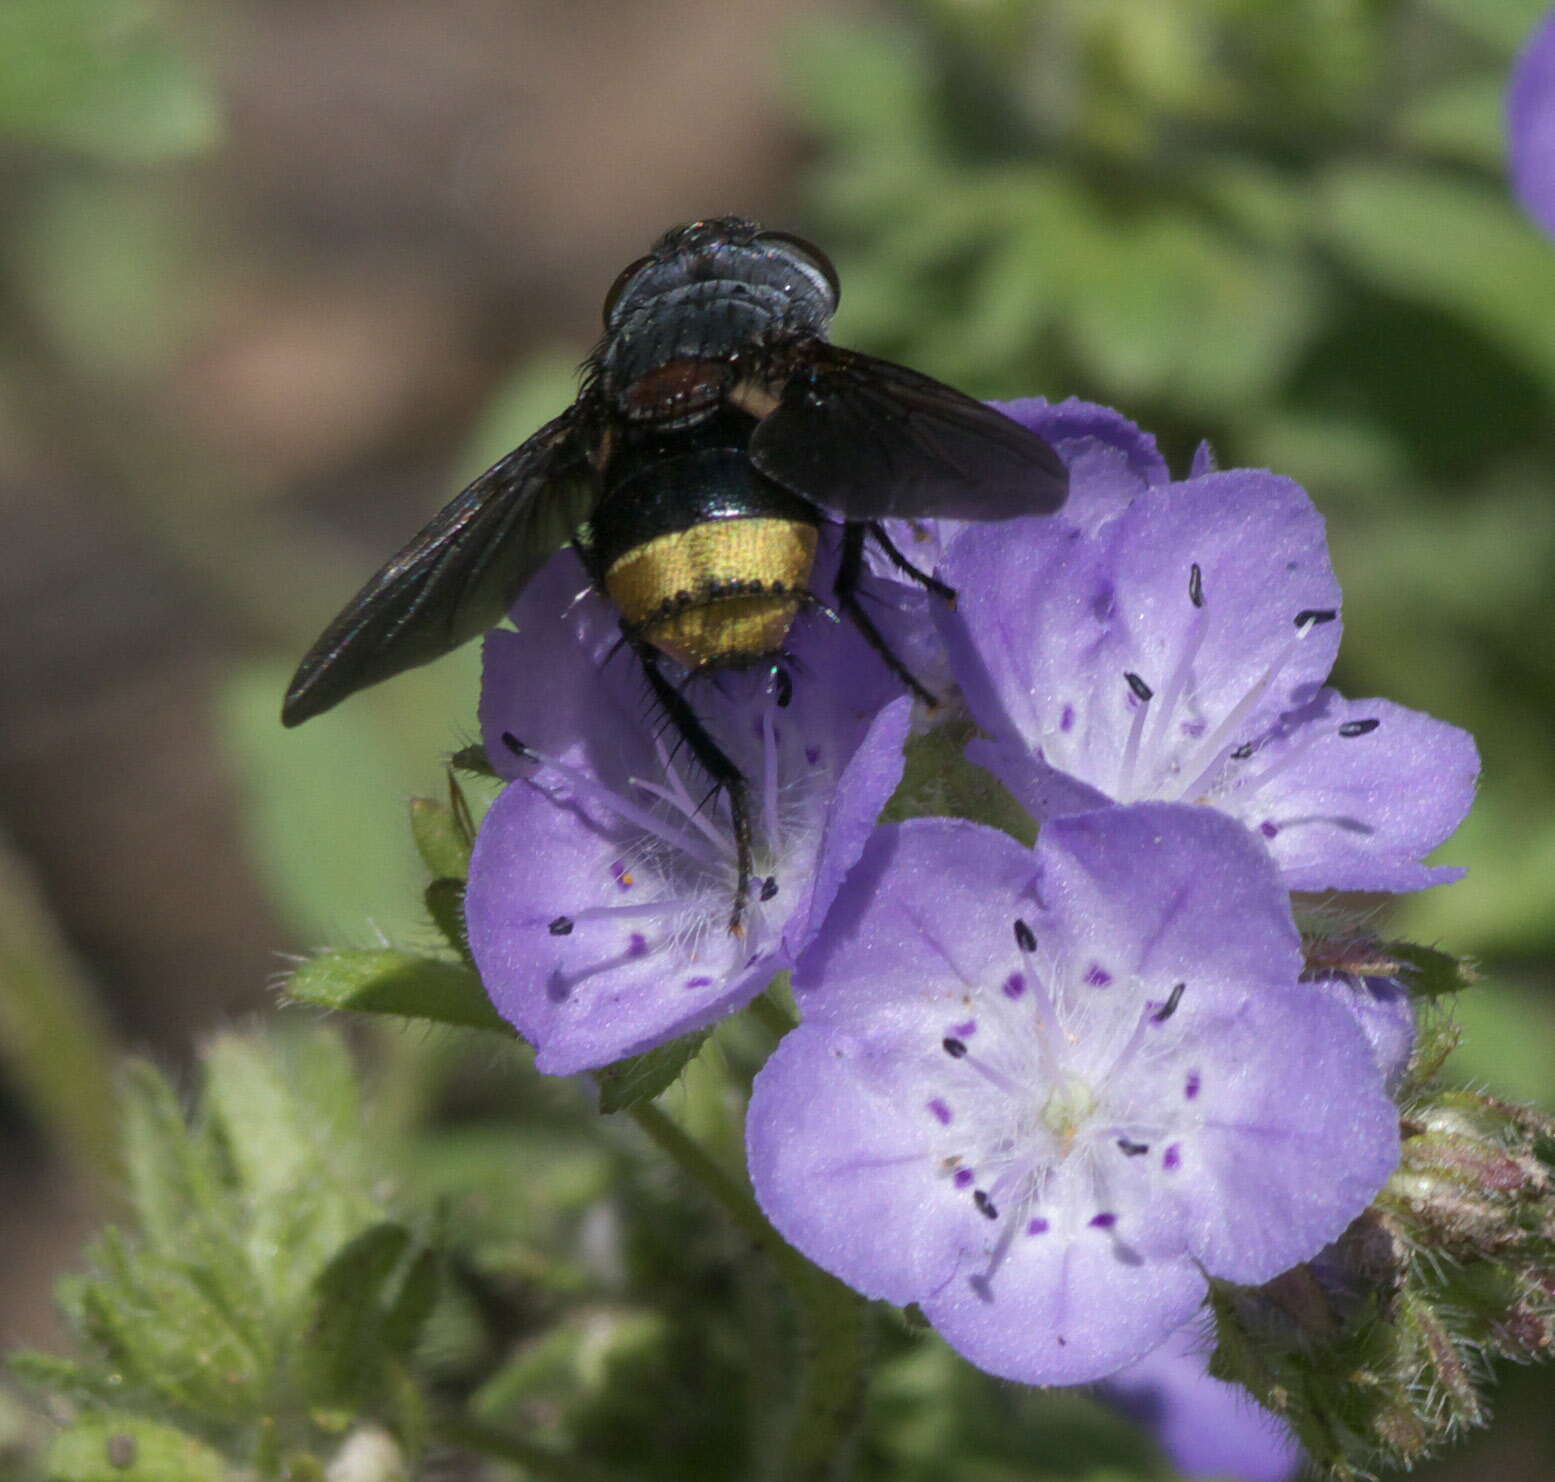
679 389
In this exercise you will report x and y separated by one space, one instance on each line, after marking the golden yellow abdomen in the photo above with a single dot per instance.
723 592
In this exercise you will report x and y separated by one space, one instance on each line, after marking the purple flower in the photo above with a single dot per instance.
1386 1014
1045 1094
1170 641
1207 1428
601 883
1530 125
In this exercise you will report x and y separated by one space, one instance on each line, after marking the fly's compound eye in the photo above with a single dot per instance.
811 254
625 276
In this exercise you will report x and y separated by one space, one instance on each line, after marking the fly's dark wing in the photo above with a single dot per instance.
869 440
458 576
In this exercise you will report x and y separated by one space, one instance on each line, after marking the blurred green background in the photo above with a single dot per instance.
276 277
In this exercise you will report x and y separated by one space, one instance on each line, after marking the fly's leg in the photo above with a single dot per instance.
902 564
848 574
716 764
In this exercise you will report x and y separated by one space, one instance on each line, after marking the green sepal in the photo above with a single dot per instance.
445 905
386 980
1431 974
440 838
128 1448
642 1077
444 831
473 760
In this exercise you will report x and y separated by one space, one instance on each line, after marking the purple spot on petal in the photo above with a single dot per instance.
1192 1088
964 1177
1267 829
1097 976
1192 728
812 754
964 1031
1066 720
638 946
1103 1221
941 1111
1037 1226
699 982
1015 985
1172 1158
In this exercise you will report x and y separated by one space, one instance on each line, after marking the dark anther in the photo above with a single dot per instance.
1139 687
985 1205
517 747
953 1047
1132 1149
785 688
1358 727
1167 1009
1195 585
1315 615
561 927
769 887
1025 938
1242 752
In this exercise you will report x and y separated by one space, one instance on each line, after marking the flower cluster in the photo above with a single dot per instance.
1045 1094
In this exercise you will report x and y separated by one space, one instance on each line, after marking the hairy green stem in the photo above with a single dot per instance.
836 1329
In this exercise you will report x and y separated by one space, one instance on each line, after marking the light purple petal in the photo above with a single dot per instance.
1207 1428
1040 1322
952 883
1071 425
602 881
1385 1011
839 1149
609 987
1530 117
1050 626
1279 1162
1044 1093
1171 891
1347 805
560 685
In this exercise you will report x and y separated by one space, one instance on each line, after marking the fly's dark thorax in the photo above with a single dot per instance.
706 559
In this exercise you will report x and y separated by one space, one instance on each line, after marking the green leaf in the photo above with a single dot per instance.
1464 120
1167 305
324 798
642 1077
1455 243
385 980
1502 24
354 1295
407 1316
126 1448
174 1175
868 87
103 77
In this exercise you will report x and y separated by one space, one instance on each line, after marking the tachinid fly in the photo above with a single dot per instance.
715 432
